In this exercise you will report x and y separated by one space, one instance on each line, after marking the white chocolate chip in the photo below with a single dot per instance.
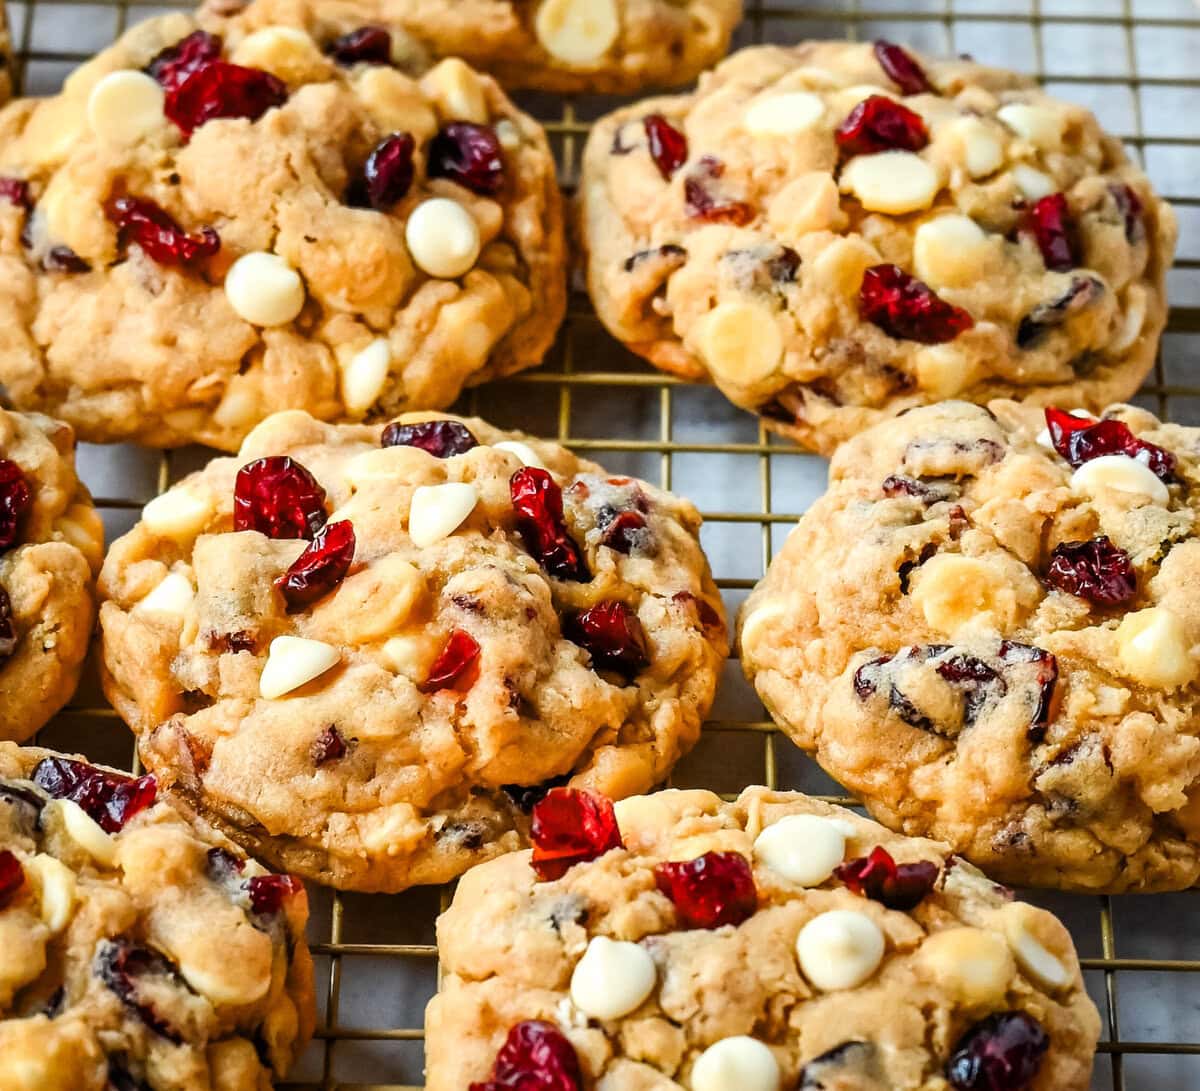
945 371
895 182
1134 303
740 342
57 887
437 511
840 265
525 454
802 848
457 91
292 662
755 623
179 513
736 1064
1153 649
263 289
286 52
783 115
976 964
1033 184
577 31
125 106
952 590
443 238
1042 126
1122 473
508 134
948 252
81 828
982 153
218 984
612 979
364 374
807 203
173 596
839 949
1037 962
409 655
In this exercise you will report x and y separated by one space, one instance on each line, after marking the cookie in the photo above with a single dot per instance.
771 943
213 223
6 57
363 652
137 949
989 629
835 232
51 545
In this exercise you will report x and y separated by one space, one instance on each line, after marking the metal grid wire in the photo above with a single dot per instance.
1131 61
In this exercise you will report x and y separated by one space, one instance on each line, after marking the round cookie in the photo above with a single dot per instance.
997 644
771 943
214 223
834 232
382 707
51 546
137 949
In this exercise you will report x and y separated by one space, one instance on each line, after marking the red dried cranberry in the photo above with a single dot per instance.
16 498
713 890
1045 678
537 504
879 124
459 654
571 826
611 633
1000 1053
1079 440
901 69
536 1056
320 568
110 799
387 175
975 680
279 498
709 617
622 530
129 971
907 309
269 892
441 438
1081 293
143 222
12 877
16 192
1048 223
668 146
1129 204
1097 571
700 204
880 878
366 45
220 89
174 64
328 746
8 631
468 154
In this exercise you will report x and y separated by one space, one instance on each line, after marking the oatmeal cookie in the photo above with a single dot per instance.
137 949
771 943
363 651
834 232
6 57
989 629
51 545
212 223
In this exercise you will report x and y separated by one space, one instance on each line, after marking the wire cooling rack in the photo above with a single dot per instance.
1133 62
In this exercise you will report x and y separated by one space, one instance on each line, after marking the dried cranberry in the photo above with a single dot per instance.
366 45
1079 440
622 530
1045 678
611 633
220 89
269 892
16 192
129 971
223 865
1129 204
62 259
668 146
16 499
328 746
387 175
320 568
1000 1053
279 498
901 69
537 504
880 878
700 204
459 654
709 617
1048 223
879 124
143 222
12 877
713 890
536 1056
174 64
441 438
907 309
931 492
1097 571
110 799
571 826
975 679
468 154
1082 292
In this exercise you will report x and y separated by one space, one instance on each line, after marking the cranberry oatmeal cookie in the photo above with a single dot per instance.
989 629
771 943
213 223
835 232
364 652
138 950
51 545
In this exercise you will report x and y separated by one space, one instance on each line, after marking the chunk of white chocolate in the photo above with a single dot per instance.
784 115
1153 648
1033 183
57 888
952 590
364 375
895 182
437 511
457 91
442 238
125 107
81 828
1041 126
179 513
173 596
740 342
948 251
524 454
612 979
293 661
577 31
1122 473
801 848
264 289
974 963
739 1063
1037 962
839 949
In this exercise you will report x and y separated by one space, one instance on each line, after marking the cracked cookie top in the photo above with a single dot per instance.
833 232
215 222
989 629
364 651
770 943
137 949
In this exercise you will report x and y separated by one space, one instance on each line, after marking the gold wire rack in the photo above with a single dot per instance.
1130 60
